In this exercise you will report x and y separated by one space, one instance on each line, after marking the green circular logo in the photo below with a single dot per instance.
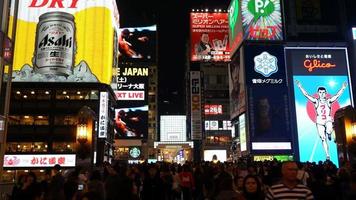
260 8
135 152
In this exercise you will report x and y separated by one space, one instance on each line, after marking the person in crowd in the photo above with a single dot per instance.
252 189
95 185
225 189
152 184
187 182
289 188
16 190
55 190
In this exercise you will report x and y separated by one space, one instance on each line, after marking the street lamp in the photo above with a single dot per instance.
353 131
82 135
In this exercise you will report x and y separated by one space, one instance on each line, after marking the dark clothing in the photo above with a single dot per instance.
152 189
55 190
118 187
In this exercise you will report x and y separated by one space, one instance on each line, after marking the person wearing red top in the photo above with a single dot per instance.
186 182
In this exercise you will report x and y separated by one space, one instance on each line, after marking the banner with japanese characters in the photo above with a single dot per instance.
267 96
264 65
262 19
131 83
321 85
39 160
209 37
131 116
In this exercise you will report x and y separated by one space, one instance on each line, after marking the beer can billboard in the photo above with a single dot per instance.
65 41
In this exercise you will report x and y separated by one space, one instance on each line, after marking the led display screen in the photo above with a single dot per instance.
321 85
209 37
138 44
131 122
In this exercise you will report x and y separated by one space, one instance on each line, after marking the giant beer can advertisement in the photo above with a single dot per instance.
65 41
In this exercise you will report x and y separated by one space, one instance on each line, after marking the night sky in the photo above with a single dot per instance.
172 19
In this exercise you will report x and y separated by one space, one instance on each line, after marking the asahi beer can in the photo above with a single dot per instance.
55 44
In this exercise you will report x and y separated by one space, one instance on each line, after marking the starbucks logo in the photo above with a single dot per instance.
135 152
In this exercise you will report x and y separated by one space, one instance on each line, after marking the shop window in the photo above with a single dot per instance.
23 147
63 147
65 120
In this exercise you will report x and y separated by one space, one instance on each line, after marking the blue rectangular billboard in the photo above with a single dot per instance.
267 96
321 86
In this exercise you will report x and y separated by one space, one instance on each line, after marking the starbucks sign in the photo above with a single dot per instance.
135 152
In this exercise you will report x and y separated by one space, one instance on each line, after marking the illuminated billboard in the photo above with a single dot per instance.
268 98
237 90
173 128
242 132
131 122
138 44
235 26
209 37
215 155
131 83
213 109
65 41
321 85
214 125
262 19
39 160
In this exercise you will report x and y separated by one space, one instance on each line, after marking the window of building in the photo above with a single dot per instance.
65 120
26 147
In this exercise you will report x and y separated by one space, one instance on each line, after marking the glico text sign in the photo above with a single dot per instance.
262 19
65 41
321 86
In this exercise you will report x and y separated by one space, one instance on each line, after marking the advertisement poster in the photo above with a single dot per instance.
262 19
235 26
209 37
138 44
237 91
65 41
321 86
242 132
132 83
131 122
268 102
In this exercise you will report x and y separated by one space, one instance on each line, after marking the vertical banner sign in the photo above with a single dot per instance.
209 37
321 86
269 113
195 101
237 90
103 115
235 26
262 19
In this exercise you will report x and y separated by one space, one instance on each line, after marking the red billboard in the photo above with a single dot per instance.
209 37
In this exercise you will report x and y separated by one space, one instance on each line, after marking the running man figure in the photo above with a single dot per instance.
322 105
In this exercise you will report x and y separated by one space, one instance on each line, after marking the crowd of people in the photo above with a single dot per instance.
244 180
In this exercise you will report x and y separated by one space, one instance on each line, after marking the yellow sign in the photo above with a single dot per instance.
65 41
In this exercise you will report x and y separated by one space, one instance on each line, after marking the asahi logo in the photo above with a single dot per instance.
53 4
52 41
